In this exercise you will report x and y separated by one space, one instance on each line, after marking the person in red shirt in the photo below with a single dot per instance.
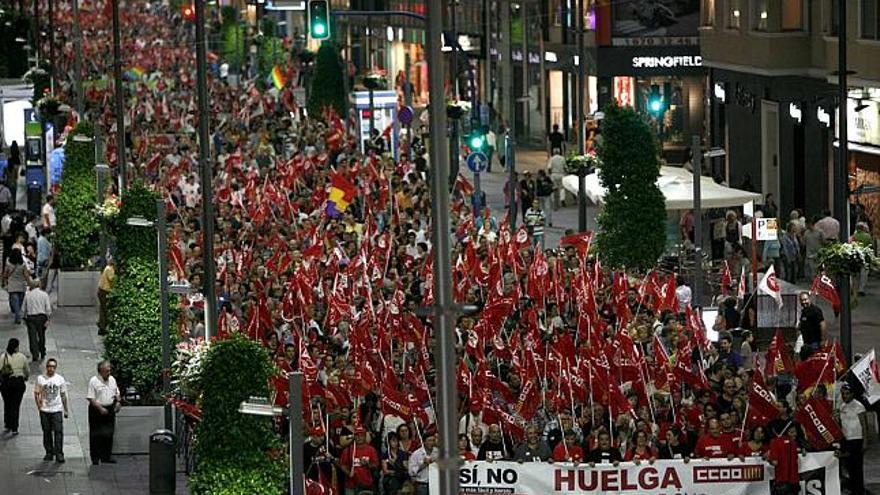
756 445
464 448
784 457
714 444
568 450
358 461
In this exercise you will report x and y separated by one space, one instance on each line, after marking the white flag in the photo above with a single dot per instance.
770 286
867 373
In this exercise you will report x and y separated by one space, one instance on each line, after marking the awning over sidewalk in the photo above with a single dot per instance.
678 188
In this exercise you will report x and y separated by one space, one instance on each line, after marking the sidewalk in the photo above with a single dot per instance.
72 340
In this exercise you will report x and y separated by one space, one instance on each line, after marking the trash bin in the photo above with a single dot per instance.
163 476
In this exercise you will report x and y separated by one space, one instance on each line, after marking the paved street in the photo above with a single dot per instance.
72 339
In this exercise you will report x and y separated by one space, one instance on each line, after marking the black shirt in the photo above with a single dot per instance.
317 462
600 455
667 451
556 139
493 451
811 324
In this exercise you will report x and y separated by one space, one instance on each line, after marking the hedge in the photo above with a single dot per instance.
135 242
234 369
133 342
268 478
76 234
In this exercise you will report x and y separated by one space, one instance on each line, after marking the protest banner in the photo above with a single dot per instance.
818 472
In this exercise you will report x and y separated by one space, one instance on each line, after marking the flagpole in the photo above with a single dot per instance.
742 429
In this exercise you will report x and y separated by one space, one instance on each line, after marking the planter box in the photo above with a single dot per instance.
134 424
78 288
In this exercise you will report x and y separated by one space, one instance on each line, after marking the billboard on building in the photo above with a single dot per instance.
656 18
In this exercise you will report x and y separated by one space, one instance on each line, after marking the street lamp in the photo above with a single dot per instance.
260 406
163 297
698 155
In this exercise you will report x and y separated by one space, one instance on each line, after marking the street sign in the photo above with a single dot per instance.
477 162
405 115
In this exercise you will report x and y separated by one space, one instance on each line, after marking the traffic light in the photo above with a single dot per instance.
477 140
319 19
189 13
656 105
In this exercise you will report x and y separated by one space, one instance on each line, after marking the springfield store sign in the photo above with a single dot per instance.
669 62
818 473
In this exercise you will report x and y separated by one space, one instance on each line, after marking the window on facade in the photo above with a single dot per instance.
555 12
869 19
708 13
792 15
761 15
734 14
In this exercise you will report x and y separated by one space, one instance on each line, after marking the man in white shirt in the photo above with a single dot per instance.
50 393
48 212
421 459
854 426
104 403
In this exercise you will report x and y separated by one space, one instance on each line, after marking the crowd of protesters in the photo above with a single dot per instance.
565 361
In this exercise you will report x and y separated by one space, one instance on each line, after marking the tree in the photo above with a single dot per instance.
327 85
633 224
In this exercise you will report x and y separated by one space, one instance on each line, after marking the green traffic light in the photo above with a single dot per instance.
656 105
476 142
319 29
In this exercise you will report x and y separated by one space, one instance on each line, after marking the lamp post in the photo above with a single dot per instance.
697 158
164 290
260 406
120 101
841 178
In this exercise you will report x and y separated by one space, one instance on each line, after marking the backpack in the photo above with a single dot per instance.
6 369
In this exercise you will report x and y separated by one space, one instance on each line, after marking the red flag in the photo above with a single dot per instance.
815 418
824 287
762 403
580 241
395 403
778 360
820 367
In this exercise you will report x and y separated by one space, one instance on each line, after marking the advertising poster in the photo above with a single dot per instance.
646 18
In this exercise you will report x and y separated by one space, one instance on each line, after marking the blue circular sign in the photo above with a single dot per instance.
405 115
477 162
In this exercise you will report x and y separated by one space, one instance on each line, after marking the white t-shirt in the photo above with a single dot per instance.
52 389
103 392
849 419
49 212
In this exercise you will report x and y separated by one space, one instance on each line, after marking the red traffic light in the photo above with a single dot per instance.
189 13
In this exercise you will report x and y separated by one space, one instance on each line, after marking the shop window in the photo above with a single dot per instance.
734 14
708 13
869 19
792 15
761 15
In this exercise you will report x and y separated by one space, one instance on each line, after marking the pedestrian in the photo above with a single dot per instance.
105 286
557 141
6 198
104 403
812 244
863 237
44 254
491 143
50 393
556 165
37 308
421 459
535 223
15 280
48 212
783 455
854 424
790 252
544 191
13 380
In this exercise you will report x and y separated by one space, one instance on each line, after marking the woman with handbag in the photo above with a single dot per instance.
13 381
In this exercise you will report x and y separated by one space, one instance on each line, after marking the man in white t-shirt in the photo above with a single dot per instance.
50 392
854 426
48 212
104 403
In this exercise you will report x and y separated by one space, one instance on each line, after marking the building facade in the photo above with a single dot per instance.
773 97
